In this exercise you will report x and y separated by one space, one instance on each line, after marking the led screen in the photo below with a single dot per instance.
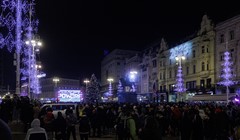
70 96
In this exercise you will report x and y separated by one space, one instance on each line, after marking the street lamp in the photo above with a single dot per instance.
86 82
56 80
180 83
110 80
34 46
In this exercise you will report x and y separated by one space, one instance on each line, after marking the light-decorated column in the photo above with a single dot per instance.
180 82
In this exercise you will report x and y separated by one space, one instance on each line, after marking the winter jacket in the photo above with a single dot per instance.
36 131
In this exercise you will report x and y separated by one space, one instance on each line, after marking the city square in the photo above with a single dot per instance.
119 71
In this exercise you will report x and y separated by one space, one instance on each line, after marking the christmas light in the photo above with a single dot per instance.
179 53
17 24
227 73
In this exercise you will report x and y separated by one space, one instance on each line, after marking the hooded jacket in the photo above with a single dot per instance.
35 129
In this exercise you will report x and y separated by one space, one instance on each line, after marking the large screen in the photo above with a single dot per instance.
70 96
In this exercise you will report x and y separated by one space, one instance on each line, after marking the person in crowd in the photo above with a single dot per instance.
16 108
60 127
26 112
48 122
131 126
5 132
84 126
121 127
36 132
6 109
71 122
68 110
93 120
151 130
36 110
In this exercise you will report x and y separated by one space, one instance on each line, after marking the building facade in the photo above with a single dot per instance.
198 66
200 58
228 39
53 87
114 66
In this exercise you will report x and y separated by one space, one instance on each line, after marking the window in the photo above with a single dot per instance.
194 68
191 85
154 62
170 74
202 83
208 82
193 53
207 49
231 53
187 70
203 66
221 57
164 88
160 76
203 49
222 38
231 34
207 66
164 75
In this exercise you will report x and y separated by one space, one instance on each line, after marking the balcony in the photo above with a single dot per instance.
204 74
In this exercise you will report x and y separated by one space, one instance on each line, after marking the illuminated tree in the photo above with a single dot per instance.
179 53
93 90
180 82
17 26
227 75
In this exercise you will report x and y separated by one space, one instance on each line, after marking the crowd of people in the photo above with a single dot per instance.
128 121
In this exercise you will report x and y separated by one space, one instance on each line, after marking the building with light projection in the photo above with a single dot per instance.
60 90
228 40
198 67
159 71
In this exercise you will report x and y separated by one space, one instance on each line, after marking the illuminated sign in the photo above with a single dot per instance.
70 96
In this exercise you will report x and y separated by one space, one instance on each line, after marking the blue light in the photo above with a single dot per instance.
180 52
227 71
184 49
19 25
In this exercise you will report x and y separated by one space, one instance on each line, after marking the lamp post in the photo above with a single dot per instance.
37 88
86 82
180 83
110 80
34 46
56 80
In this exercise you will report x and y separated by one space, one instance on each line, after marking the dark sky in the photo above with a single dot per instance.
75 33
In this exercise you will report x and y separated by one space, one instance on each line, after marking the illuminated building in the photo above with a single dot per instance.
197 68
113 65
227 40
60 90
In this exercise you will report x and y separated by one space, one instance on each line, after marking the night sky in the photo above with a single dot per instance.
76 33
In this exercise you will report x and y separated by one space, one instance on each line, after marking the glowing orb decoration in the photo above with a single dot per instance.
70 96
237 100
